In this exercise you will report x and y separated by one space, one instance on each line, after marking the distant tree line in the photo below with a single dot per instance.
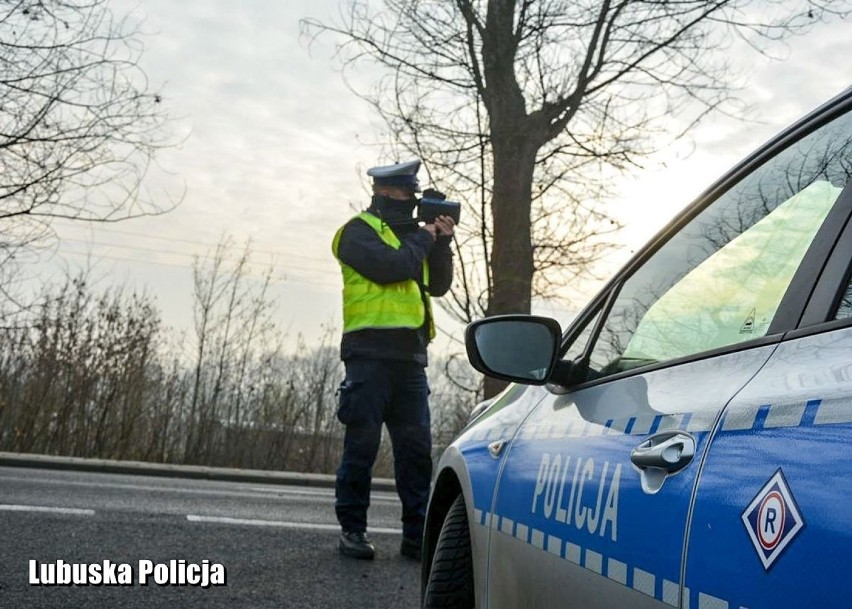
97 374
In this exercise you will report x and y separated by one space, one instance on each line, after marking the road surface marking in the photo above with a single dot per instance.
278 523
375 496
41 508
278 493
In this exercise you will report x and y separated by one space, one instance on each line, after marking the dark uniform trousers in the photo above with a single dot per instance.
395 393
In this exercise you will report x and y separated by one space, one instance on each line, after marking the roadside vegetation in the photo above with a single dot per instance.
94 373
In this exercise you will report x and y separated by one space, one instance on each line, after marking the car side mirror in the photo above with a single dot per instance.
519 348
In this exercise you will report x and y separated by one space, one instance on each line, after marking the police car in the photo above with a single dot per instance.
687 442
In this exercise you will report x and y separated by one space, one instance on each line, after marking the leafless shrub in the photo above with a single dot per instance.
97 375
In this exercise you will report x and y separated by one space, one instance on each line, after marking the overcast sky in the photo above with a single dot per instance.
277 146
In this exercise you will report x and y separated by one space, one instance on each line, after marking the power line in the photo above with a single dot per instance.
185 267
192 255
201 243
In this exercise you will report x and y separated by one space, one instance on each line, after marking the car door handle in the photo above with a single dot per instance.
670 451
660 456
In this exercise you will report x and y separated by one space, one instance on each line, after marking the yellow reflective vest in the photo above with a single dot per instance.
367 304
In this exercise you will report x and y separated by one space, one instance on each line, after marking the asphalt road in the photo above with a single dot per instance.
277 544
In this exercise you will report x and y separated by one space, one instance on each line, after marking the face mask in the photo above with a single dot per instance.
395 209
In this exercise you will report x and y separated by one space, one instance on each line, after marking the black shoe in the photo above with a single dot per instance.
355 544
411 548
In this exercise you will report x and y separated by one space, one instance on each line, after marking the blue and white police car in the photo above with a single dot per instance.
687 442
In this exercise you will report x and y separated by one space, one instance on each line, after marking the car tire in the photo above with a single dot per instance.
450 583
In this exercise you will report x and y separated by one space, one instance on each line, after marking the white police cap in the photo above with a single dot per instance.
401 175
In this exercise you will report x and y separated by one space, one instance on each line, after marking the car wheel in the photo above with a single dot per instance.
450 584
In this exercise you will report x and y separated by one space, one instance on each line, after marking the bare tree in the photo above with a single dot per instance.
529 107
233 324
79 127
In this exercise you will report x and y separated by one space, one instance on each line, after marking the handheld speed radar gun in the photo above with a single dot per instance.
434 204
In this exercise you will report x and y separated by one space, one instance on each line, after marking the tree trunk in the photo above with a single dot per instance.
512 254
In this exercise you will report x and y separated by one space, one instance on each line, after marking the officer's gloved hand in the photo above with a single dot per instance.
431 193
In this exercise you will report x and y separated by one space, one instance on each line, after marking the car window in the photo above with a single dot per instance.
577 346
844 309
720 279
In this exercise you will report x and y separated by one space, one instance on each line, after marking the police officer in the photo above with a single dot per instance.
391 267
